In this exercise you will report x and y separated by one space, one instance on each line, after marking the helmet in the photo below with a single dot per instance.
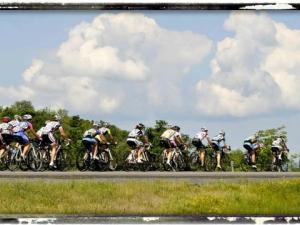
96 124
27 117
177 128
5 119
105 124
57 118
204 129
221 132
17 117
140 126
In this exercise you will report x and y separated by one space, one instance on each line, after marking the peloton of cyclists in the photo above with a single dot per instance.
197 141
251 144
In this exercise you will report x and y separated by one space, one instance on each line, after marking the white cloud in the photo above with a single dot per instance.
118 63
255 71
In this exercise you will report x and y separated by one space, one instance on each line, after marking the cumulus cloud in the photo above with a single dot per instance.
116 63
256 71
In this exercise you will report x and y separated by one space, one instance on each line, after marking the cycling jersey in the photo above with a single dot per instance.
22 127
104 130
251 139
201 135
136 133
91 133
51 126
218 141
168 134
278 143
6 128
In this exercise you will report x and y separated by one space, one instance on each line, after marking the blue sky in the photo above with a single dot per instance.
203 94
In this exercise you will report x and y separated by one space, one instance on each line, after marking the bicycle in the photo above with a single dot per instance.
61 159
211 159
149 160
178 160
107 160
195 162
84 158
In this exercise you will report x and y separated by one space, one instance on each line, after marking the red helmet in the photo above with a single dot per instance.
5 119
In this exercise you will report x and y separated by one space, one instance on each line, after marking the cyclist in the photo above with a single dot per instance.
176 142
137 139
5 134
48 138
218 143
165 142
197 141
279 147
103 137
20 133
251 144
89 139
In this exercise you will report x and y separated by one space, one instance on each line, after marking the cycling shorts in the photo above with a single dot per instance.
21 138
165 143
250 147
6 138
48 139
276 149
216 146
134 143
197 143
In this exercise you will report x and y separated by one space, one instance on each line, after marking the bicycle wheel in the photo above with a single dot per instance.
13 158
112 163
163 163
61 160
4 161
194 161
35 160
83 160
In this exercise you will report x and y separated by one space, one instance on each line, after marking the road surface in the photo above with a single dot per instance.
126 176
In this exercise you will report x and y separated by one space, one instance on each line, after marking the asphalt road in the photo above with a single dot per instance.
125 176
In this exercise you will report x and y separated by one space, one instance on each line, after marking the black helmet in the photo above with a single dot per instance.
140 126
177 128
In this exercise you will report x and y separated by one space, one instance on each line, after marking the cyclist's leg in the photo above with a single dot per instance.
274 154
53 146
202 156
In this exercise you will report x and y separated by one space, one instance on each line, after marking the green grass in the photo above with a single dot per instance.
150 197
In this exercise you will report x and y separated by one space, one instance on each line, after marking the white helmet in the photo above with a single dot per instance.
96 124
204 129
105 124
27 117
221 132
57 118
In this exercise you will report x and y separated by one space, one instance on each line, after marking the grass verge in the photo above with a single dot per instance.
150 197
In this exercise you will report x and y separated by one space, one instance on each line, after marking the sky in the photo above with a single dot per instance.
231 71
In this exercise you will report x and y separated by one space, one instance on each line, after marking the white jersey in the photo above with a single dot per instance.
5 128
168 134
91 133
278 142
201 135
51 127
136 133
177 134
220 139
104 130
